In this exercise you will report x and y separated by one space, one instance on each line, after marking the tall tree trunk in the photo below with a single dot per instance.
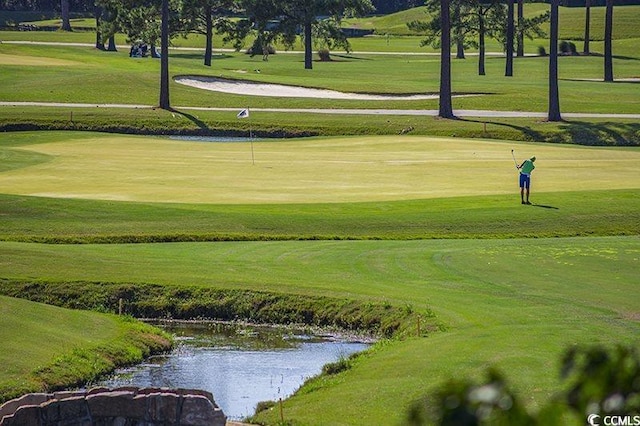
554 96
520 32
64 11
459 46
445 107
508 72
608 33
98 14
458 37
587 26
308 50
481 46
209 35
111 47
164 57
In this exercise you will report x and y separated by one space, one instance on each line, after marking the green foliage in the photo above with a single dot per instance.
342 364
324 55
571 18
264 405
592 132
123 80
465 403
567 48
602 381
86 364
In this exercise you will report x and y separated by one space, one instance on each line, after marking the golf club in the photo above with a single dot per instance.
514 159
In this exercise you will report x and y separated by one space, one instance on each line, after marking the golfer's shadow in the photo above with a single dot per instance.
545 207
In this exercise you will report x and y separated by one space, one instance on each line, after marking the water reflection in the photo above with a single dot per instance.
241 365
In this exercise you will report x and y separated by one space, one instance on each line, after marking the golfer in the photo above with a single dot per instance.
526 168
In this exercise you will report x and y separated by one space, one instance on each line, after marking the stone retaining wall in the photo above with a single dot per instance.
127 406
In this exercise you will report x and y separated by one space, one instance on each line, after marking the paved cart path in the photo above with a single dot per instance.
347 111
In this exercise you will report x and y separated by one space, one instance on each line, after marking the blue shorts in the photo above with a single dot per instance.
525 180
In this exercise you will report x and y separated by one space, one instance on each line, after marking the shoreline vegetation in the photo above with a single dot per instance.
152 301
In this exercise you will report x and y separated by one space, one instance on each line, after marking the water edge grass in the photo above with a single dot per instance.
47 348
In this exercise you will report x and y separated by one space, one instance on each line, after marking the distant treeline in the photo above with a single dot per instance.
45 5
382 6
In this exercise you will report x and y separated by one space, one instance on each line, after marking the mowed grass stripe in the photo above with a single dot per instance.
307 171
557 215
505 303
402 270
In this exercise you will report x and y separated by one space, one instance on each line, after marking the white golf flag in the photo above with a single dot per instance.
244 113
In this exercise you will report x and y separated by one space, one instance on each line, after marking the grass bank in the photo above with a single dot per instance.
49 348
196 302
184 121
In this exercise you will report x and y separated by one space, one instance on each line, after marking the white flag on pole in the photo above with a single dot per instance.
244 113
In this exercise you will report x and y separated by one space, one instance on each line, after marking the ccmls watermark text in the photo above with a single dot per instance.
612 420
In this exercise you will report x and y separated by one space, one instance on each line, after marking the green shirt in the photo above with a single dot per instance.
527 167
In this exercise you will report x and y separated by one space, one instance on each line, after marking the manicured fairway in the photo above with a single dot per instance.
107 167
502 300
514 304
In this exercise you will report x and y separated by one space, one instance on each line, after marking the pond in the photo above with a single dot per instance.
240 364
222 139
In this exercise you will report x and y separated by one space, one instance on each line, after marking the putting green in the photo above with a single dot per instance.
370 168
36 61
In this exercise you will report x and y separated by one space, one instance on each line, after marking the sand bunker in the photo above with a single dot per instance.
281 91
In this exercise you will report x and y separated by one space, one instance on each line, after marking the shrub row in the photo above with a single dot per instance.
192 302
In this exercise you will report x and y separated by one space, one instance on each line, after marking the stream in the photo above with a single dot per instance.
240 364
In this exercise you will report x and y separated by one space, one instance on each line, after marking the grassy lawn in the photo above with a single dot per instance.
503 300
317 170
47 347
77 74
514 304
81 74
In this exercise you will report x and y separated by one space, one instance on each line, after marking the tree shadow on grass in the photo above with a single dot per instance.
216 57
604 133
582 80
601 133
528 133
195 120
350 57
